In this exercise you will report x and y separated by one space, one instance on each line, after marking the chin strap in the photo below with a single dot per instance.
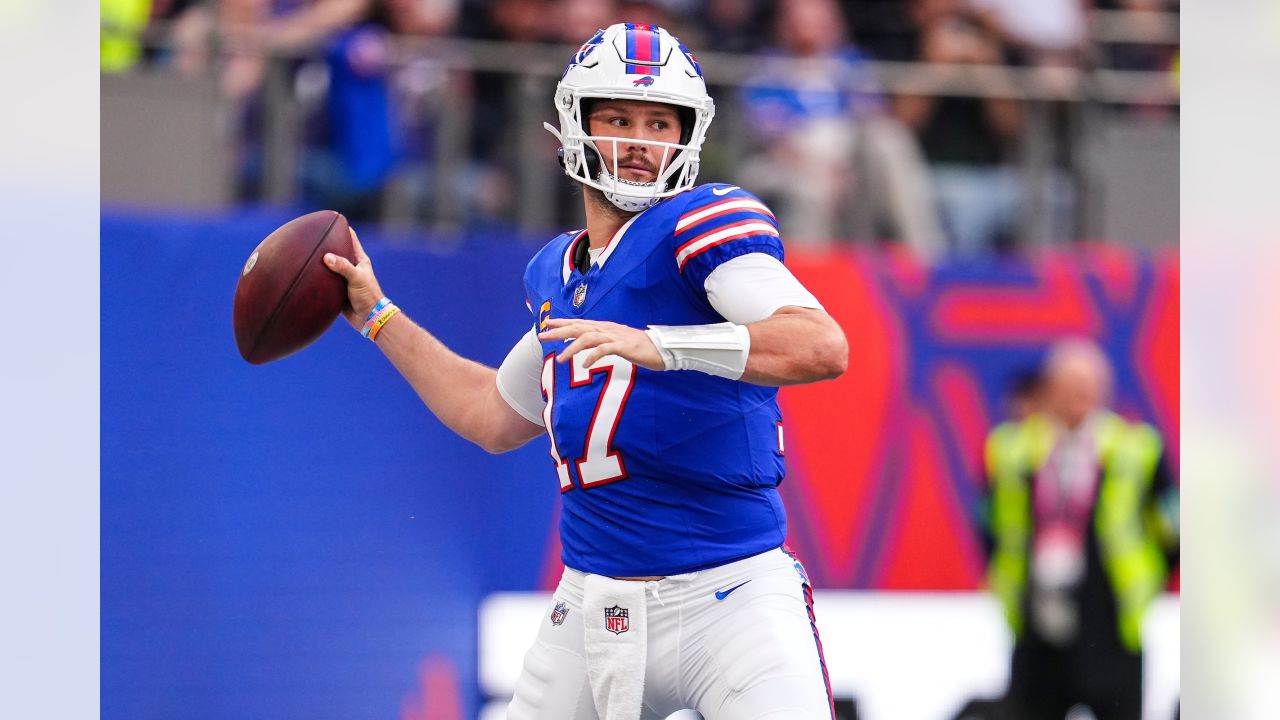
719 349
645 198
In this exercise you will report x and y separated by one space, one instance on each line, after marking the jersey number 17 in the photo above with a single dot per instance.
600 463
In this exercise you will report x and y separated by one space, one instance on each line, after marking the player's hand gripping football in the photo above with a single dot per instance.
363 291
601 338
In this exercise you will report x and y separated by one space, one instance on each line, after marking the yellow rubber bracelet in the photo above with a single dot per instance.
386 314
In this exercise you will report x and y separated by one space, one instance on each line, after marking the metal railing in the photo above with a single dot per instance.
535 67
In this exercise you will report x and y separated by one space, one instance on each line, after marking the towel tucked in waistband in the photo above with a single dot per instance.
614 637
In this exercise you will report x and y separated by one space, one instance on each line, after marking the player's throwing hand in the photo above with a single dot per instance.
363 291
600 339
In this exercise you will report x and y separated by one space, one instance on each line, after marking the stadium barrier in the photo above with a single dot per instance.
304 540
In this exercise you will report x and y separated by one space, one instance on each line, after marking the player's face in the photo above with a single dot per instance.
635 121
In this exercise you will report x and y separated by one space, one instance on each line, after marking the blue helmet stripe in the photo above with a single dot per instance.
654 49
631 47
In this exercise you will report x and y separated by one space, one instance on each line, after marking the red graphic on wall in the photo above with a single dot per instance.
437 696
884 463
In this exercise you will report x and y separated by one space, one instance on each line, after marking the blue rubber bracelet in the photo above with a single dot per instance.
385 301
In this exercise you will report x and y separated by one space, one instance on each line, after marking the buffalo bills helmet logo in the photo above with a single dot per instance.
584 51
645 81
692 60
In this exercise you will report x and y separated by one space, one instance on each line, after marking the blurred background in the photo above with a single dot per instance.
965 184
954 128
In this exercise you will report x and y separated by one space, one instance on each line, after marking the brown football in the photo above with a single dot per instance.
286 297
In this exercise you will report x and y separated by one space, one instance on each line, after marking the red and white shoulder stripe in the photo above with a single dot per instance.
720 222
702 214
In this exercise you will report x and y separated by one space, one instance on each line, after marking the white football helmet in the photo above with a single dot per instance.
631 61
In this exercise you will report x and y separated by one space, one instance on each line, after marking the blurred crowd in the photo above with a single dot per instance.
936 159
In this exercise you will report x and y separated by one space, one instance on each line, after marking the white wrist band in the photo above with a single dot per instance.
720 349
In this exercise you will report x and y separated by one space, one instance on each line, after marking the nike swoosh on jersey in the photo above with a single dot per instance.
722 594
723 191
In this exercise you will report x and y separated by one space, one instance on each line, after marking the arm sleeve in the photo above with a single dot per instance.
520 378
752 287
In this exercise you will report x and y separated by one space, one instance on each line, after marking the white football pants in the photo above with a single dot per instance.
733 642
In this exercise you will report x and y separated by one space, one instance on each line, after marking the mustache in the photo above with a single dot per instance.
638 160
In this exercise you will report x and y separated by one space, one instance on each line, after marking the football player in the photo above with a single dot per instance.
660 334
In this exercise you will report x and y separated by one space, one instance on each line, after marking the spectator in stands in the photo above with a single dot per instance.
968 140
1150 48
123 22
1050 37
522 20
1143 51
578 19
818 109
497 96
1084 517
246 35
1045 33
884 28
372 128
248 32
732 26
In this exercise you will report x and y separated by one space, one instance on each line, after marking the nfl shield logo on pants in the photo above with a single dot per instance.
558 613
616 620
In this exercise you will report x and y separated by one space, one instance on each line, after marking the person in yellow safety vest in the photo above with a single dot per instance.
1083 523
122 23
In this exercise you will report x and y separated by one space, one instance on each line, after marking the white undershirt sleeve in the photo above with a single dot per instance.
520 378
753 286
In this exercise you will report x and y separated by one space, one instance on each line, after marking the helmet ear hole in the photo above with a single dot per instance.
585 106
687 120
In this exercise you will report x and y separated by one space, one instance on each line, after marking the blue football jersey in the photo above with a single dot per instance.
660 472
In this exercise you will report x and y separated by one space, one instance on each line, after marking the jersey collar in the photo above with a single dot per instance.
567 266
